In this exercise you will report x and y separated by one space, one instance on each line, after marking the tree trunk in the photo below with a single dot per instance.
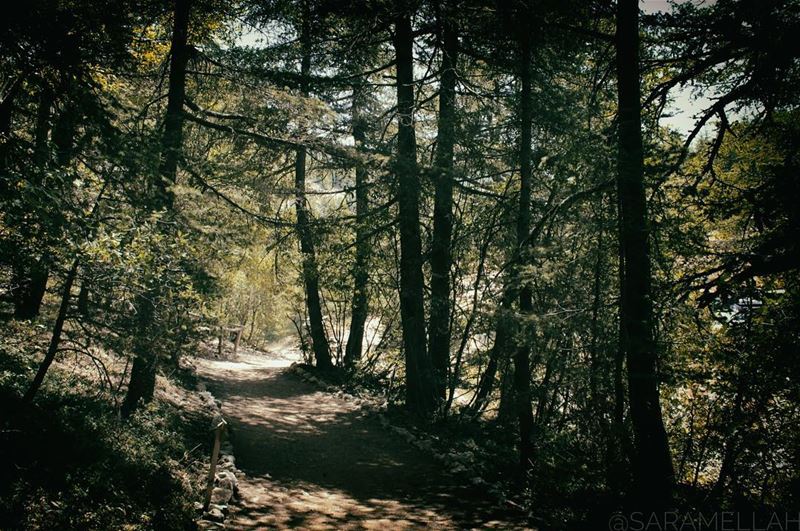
61 317
83 295
652 466
522 368
421 396
360 308
142 383
29 276
322 353
145 363
441 258
499 349
30 285
172 139
55 338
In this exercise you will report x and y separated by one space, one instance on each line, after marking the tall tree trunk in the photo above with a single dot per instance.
29 275
145 364
441 258
32 282
322 352
421 395
360 308
652 467
172 139
522 368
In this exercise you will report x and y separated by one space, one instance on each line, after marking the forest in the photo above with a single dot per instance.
551 243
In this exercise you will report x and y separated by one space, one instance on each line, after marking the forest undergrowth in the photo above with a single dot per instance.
69 460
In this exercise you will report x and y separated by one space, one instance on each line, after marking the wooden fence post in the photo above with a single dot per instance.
238 338
218 426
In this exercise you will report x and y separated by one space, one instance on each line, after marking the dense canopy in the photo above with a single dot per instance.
564 231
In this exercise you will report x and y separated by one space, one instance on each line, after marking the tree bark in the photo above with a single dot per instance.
29 275
322 353
145 364
441 258
522 368
172 139
652 466
55 338
142 383
421 396
360 305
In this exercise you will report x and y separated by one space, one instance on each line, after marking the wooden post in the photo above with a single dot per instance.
217 425
219 347
238 337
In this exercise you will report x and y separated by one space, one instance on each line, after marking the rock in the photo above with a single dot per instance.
208 525
206 397
223 508
227 480
215 515
198 507
221 495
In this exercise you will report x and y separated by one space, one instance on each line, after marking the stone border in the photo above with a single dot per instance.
226 484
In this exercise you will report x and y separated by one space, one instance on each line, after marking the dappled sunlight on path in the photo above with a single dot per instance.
315 461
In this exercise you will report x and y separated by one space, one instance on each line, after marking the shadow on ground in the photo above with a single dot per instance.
314 461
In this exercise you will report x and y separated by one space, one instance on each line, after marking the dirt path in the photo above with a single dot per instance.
314 461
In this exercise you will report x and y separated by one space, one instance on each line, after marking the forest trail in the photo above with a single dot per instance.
315 461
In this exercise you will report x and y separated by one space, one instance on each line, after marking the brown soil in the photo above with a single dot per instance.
315 461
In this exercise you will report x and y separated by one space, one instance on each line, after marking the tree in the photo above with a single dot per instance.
359 307
145 363
522 368
652 463
420 390
441 257
322 353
